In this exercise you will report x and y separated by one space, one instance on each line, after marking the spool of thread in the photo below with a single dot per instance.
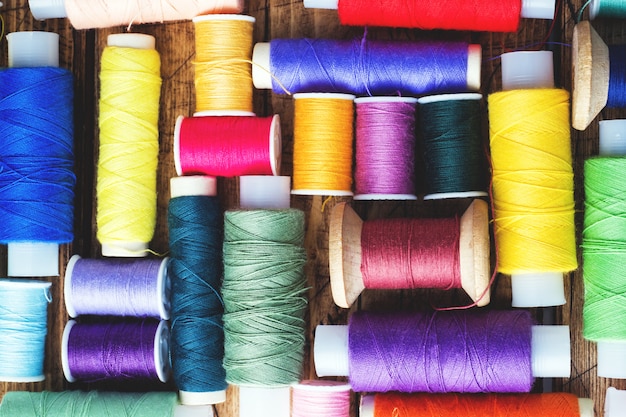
612 9
195 223
97 404
23 329
469 351
385 148
478 15
493 405
227 146
130 85
317 398
322 149
454 154
533 180
604 249
614 402
117 287
366 67
92 14
36 155
223 71
409 253
135 349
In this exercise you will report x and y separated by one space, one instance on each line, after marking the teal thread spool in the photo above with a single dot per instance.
613 9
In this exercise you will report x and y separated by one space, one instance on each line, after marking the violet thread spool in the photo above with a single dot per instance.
385 148
346 252
117 287
468 351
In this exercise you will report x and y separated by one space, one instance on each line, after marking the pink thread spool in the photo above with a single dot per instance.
318 398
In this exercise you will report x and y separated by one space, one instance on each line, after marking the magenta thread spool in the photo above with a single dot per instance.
136 287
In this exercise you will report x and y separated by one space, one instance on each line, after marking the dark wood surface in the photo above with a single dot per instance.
80 51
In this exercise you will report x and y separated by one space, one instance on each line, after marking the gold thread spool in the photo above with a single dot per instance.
130 86
533 181
223 69
322 151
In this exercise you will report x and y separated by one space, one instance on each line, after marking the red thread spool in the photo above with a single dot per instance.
227 146
409 253
492 405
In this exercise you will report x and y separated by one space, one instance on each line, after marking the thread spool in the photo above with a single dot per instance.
603 247
444 351
227 146
533 184
38 135
135 349
614 402
612 9
196 234
384 124
129 145
479 15
322 150
597 75
366 67
23 328
354 243
223 73
117 287
97 404
264 303
95 14
495 405
455 164
316 398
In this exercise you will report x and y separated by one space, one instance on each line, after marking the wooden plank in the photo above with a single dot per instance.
80 52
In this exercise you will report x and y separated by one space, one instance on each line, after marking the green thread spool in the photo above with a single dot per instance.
264 293
613 9
454 158
96 404
604 250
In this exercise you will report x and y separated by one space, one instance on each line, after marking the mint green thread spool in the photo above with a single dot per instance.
604 250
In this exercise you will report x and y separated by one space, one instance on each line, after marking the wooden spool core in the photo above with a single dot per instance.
590 75
345 254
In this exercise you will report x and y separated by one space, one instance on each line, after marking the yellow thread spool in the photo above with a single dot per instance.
130 86
223 66
533 181
322 150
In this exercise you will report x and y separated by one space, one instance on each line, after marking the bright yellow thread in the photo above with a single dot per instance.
533 181
223 74
130 86
322 154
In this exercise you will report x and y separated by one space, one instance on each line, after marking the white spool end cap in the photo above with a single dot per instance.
612 359
264 191
331 350
68 295
261 72
367 407
47 9
527 69
193 411
551 351
612 137
586 407
321 4
196 399
264 401
538 9
131 40
615 403
33 49
193 185
125 249
594 9
537 289
32 259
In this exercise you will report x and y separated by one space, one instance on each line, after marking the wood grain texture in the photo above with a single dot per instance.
80 52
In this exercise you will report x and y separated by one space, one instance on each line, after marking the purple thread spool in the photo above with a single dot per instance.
129 350
385 148
445 351
137 287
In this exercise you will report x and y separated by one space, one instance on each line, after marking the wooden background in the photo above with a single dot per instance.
80 52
